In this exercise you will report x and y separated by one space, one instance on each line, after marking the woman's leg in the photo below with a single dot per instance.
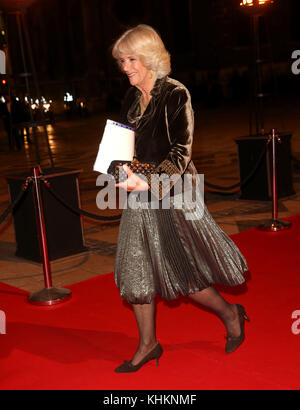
145 318
228 313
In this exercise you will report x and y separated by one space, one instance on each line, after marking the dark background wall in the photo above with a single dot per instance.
210 42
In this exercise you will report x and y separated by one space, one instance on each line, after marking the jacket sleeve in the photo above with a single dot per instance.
179 117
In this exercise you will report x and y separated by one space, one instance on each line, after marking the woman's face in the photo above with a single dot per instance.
138 74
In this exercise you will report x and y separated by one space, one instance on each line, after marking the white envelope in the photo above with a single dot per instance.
117 144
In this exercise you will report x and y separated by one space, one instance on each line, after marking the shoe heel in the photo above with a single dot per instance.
246 317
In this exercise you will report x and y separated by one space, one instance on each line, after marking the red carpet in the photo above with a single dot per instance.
76 345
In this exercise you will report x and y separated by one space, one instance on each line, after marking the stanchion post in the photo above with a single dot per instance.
274 177
274 224
50 295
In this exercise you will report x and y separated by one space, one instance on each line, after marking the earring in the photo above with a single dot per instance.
151 75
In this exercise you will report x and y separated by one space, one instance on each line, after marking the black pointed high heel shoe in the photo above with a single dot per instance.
128 367
233 342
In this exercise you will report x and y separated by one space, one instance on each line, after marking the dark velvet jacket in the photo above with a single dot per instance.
164 133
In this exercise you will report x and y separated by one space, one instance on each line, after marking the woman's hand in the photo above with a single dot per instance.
133 182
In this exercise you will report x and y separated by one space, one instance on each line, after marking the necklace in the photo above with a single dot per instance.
143 104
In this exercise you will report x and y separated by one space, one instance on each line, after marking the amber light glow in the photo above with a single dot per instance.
255 2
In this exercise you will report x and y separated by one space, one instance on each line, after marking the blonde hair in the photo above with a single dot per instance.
144 42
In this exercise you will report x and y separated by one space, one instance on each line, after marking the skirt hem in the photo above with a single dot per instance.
142 300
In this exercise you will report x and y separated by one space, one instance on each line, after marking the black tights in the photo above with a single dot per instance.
209 297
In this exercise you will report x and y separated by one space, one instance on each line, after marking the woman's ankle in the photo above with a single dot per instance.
144 346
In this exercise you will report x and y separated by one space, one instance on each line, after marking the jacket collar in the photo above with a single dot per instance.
156 90
134 113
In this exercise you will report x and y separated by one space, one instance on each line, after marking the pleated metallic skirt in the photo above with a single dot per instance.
172 252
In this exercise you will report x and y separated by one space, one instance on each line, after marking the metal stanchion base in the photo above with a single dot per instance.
274 225
50 296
